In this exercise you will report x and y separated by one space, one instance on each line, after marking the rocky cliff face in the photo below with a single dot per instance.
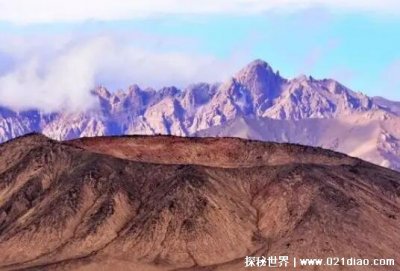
256 92
169 203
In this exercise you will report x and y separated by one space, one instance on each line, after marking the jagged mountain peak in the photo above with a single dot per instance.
259 63
134 88
102 92
302 78
256 91
256 70
260 81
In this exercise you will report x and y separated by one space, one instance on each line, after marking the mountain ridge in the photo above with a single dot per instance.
79 205
255 92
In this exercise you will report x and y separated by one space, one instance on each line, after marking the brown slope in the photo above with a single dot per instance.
214 152
64 207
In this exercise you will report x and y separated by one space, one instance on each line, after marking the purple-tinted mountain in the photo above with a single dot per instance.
255 103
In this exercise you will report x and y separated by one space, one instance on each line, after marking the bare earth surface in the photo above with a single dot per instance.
171 203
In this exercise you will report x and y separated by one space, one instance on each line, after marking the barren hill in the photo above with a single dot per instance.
170 203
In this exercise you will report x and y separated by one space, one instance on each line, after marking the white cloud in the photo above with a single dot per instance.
61 73
64 80
34 11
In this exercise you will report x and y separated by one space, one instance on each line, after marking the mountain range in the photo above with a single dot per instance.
256 103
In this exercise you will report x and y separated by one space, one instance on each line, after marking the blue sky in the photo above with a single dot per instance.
358 47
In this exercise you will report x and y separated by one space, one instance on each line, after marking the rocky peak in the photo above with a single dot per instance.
302 78
256 71
197 95
262 83
134 90
102 92
334 86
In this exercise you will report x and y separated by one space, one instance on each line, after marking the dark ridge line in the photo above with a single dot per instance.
70 142
312 149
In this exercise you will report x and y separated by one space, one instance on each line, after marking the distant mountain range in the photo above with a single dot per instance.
256 103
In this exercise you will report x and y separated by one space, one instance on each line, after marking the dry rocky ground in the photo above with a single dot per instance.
170 203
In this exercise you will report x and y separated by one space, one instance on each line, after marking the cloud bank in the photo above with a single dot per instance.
60 73
48 11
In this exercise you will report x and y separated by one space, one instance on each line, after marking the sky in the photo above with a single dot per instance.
52 53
